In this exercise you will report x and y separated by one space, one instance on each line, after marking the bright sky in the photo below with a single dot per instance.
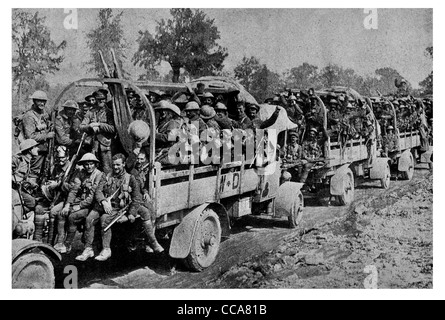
280 38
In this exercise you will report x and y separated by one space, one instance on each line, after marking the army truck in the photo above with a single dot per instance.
345 163
195 203
406 149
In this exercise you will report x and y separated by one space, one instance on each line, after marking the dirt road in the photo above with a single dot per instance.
384 239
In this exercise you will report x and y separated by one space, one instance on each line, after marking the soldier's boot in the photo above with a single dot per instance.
39 222
152 241
51 226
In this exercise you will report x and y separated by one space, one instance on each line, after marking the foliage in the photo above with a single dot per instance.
109 34
187 41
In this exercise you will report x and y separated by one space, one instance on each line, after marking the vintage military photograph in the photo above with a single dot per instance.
189 148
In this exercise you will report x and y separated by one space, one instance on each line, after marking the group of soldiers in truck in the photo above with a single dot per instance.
77 194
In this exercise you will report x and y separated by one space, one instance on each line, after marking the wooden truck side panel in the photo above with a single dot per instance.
409 140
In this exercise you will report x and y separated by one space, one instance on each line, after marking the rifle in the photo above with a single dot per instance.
69 170
49 160
120 214
19 191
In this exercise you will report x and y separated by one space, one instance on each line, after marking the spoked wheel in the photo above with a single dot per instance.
387 179
33 271
347 196
297 211
206 241
408 174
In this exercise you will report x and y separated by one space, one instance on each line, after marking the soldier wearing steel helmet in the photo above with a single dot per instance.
193 121
67 126
78 203
25 172
311 151
293 155
99 126
222 117
36 124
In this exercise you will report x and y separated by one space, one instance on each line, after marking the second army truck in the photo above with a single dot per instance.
347 157
404 134
195 203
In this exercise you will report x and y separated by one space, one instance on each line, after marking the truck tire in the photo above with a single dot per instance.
408 174
387 179
206 241
297 211
33 271
347 197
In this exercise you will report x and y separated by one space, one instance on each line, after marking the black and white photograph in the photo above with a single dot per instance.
221 148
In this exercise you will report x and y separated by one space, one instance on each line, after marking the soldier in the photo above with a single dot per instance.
170 123
67 127
78 203
99 125
243 120
222 117
25 173
334 118
311 152
257 123
83 109
142 204
389 141
91 101
293 162
207 99
112 195
56 190
293 109
36 124
192 110
208 115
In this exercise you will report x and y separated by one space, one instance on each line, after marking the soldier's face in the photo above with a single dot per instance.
141 159
92 101
101 103
40 104
70 112
312 135
293 139
62 161
208 101
192 114
118 166
221 113
89 166
240 109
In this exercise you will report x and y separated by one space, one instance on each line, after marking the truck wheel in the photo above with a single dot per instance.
297 211
206 241
387 179
347 196
33 271
408 174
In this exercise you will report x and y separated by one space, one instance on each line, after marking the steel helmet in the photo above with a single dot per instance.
220 107
207 112
28 144
313 129
192 105
169 106
253 106
293 133
139 130
286 175
88 157
390 128
292 97
39 95
208 95
71 104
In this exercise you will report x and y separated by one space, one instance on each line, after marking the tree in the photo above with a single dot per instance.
187 41
245 71
34 52
257 79
386 77
303 77
108 34
427 83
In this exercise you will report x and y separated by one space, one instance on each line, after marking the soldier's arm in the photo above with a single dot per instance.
99 193
108 126
62 137
75 186
85 125
89 200
29 130
273 118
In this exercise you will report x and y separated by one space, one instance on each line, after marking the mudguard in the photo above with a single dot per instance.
337 181
20 246
404 160
183 234
286 195
378 170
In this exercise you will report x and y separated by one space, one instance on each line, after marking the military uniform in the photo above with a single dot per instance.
101 140
108 185
81 194
311 150
26 171
68 131
245 123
